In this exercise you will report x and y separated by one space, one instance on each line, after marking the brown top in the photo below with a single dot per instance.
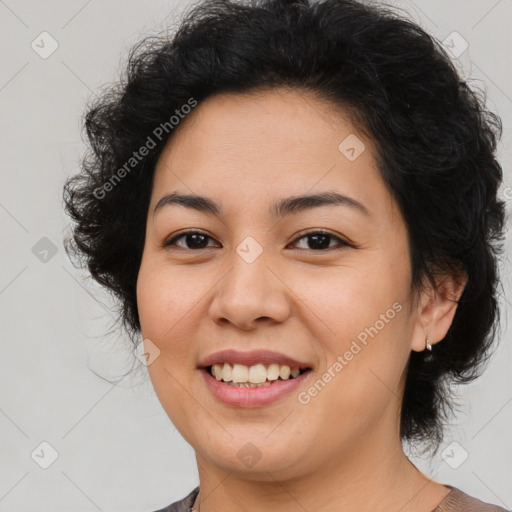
455 501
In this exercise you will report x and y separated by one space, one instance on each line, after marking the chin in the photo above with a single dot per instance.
256 455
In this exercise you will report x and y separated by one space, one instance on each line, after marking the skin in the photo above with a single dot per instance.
340 451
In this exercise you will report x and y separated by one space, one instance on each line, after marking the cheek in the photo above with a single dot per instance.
162 298
345 300
362 333
356 389
164 306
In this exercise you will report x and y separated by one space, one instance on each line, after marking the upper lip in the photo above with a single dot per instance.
251 358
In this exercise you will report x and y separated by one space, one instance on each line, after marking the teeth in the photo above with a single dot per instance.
284 372
227 373
248 384
240 373
258 374
273 372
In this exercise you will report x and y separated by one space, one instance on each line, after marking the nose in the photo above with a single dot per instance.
249 294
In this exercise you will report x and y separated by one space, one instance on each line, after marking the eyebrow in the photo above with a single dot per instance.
281 208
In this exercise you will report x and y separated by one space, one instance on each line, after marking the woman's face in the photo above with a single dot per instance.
337 303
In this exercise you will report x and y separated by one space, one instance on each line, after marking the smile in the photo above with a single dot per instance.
253 394
253 376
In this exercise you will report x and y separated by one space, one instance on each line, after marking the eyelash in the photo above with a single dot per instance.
342 243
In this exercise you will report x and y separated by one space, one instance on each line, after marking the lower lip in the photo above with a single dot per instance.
252 397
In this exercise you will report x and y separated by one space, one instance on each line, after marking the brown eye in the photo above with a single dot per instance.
316 241
192 239
320 241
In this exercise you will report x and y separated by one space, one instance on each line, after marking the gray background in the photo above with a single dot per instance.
117 450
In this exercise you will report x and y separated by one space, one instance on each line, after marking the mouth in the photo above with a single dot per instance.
252 379
255 376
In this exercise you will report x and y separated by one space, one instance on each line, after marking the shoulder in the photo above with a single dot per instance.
458 501
183 505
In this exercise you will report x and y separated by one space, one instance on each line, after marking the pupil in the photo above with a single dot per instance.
319 246
196 237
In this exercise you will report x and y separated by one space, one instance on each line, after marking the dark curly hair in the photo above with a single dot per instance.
435 141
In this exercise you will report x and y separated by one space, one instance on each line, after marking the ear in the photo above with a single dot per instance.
436 309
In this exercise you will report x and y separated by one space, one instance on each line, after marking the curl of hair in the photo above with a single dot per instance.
436 151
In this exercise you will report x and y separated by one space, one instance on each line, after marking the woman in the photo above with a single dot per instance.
296 205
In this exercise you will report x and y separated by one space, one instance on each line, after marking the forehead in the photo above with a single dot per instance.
259 146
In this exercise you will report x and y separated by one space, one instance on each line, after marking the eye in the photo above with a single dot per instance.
320 240
196 239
